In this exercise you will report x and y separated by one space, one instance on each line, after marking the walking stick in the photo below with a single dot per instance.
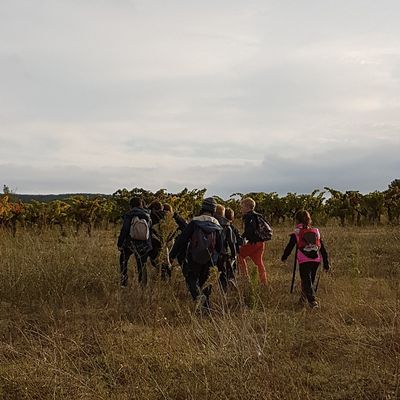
317 283
294 271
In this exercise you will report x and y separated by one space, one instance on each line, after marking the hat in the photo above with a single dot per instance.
209 205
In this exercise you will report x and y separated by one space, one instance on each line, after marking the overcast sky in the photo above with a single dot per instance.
96 95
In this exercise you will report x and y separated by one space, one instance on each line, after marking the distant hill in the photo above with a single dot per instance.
27 198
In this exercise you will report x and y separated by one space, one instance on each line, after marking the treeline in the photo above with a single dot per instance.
348 208
46 198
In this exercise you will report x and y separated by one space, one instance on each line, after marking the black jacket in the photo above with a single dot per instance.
250 220
206 223
228 237
124 239
293 242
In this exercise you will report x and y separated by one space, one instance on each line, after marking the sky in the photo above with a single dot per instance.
234 96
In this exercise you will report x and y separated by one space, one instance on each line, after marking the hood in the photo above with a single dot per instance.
207 223
139 212
223 221
157 215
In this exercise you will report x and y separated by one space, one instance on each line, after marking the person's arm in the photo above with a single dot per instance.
231 242
325 258
182 241
182 224
239 239
218 245
126 226
289 247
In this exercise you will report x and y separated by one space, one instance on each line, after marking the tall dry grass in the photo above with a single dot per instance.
68 331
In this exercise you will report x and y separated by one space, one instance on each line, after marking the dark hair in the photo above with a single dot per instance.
168 207
208 206
136 202
303 217
229 213
155 206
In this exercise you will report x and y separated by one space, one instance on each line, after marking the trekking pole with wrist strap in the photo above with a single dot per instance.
294 271
317 283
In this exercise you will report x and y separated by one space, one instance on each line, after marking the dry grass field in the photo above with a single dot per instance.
67 331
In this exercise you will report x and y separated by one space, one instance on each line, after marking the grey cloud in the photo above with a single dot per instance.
71 178
342 167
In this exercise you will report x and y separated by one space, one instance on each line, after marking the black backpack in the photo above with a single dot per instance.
262 229
202 246
226 230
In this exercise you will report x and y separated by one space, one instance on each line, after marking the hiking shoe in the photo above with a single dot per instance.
314 304
201 301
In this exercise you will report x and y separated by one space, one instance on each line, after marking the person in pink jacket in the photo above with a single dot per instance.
310 251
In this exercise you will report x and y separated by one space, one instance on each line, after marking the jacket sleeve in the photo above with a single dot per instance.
248 227
218 244
126 225
231 242
182 224
289 247
182 241
324 255
239 239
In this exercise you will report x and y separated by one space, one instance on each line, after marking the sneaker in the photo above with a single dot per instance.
201 301
314 304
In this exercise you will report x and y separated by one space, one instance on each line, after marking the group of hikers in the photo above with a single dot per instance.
211 239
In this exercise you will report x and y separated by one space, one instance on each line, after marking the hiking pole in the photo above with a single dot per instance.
294 271
317 283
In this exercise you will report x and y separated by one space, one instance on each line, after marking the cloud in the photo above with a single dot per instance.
219 94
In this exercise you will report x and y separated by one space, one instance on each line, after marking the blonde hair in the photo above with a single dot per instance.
229 214
220 210
249 203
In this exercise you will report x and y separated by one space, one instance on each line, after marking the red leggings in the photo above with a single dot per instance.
255 251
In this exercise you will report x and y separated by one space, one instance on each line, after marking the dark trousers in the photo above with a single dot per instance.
196 276
141 260
155 258
308 271
225 265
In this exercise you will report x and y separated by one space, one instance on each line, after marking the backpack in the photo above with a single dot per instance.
226 233
309 242
262 229
140 229
202 246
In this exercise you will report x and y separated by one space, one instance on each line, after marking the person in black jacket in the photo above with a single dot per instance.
128 246
253 247
309 255
228 254
201 242
157 214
